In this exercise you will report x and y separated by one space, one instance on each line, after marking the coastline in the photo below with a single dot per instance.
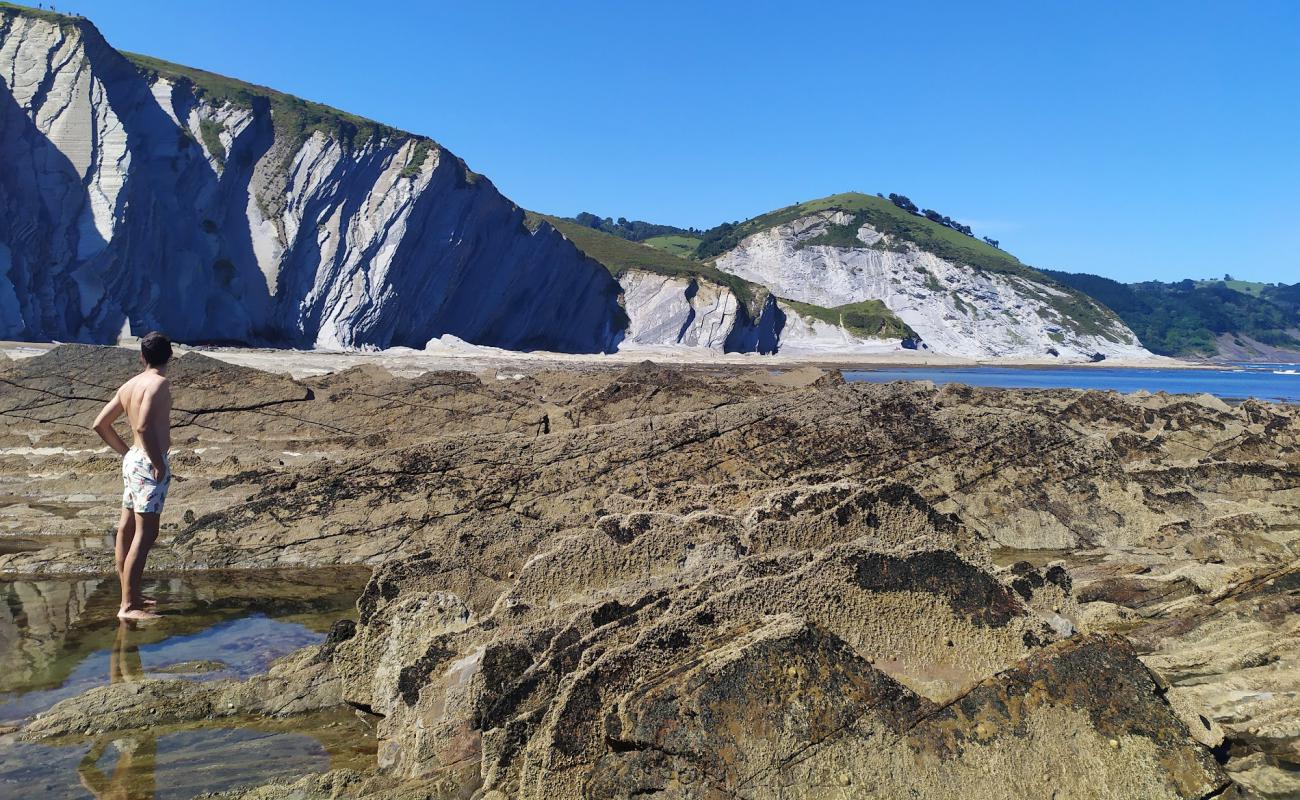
460 356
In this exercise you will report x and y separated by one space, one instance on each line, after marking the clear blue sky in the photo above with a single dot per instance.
1130 139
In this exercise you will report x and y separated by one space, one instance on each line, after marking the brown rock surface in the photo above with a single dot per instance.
698 582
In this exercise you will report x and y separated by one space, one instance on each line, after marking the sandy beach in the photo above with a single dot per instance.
464 357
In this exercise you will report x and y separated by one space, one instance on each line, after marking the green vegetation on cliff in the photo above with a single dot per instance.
419 154
1184 318
40 13
884 216
619 255
870 318
294 119
211 132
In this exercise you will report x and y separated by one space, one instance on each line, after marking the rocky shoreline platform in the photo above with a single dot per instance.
710 581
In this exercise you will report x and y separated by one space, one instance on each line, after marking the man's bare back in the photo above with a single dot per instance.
147 399
146 472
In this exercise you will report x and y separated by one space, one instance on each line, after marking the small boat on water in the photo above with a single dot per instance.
1286 372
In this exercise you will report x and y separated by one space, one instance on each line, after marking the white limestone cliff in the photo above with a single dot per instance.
132 200
954 308
691 312
673 310
808 336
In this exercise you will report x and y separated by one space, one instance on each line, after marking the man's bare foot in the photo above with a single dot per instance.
148 601
137 614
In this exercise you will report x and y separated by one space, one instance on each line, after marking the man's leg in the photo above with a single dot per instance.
146 531
122 546
121 549
122 541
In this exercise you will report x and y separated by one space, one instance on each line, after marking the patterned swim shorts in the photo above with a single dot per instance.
141 493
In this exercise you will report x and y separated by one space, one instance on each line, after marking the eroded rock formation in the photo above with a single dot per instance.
698 583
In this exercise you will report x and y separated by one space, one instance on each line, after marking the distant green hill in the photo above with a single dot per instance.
900 225
1173 319
1184 318
884 215
1252 288
633 230
881 214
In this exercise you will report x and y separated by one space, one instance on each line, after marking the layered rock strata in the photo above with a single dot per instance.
138 197
955 308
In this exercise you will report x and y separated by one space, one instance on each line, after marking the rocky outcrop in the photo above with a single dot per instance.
297 684
1232 657
140 197
815 647
678 311
688 657
956 309
1025 469
699 582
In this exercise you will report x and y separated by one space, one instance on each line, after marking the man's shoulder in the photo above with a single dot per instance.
148 385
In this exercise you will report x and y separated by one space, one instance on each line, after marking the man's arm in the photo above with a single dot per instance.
104 426
154 417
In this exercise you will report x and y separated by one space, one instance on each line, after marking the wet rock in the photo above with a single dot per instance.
295 684
345 784
190 667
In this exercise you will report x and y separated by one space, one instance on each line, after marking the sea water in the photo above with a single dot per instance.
1272 382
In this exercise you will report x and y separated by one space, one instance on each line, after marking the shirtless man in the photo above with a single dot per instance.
146 472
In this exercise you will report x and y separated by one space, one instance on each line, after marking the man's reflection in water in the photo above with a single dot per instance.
133 772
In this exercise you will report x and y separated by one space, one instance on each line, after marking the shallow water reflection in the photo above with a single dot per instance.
63 510
60 637
56 635
180 763
25 544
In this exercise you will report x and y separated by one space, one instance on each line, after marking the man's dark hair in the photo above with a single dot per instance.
156 349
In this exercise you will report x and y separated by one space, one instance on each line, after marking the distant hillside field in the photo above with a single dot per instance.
678 245
1186 318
